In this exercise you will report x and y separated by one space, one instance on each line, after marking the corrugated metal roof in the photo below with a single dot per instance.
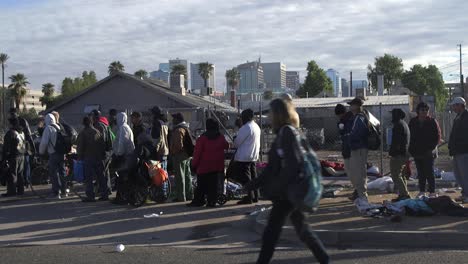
333 101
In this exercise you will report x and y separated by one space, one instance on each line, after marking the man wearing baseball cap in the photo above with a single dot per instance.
458 145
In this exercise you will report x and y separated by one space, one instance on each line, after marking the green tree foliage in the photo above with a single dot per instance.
205 70
316 81
31 116
142 74
388 65
115 66
48 91
72 86
18 88
426 81
180 69
233 77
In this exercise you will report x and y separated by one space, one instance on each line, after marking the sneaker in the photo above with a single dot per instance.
421 195
433 195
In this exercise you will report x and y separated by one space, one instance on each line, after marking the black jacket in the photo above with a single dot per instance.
14 144
400 139
284 161
90 144
458 142
30 147
137 131
424 137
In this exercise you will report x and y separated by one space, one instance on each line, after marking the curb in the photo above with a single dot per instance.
374 239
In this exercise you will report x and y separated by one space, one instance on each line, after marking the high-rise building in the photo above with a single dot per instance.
358 84
198 84
164 67
345 88
292 80
160 75
251 78
334 76
274 74
177 61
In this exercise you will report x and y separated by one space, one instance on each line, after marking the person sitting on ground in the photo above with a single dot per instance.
14 148
399 153
208 161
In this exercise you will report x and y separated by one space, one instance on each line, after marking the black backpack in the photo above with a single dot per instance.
373 139
63 143
189 147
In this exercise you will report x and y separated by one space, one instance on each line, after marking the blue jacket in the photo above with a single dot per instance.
359 132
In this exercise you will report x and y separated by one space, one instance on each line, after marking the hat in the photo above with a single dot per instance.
356 101
178 116
458 100
156 110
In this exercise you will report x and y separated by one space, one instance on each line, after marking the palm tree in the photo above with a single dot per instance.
205 70
180 69
233 77
115 66
3 59
141 74
48 91
18 88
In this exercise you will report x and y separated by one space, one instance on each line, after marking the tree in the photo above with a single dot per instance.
268 95
141 74
3 59
88 79
48 91
390 66
18 88
205 69
426 81
180 69
316 81
233 77
72 86
115 66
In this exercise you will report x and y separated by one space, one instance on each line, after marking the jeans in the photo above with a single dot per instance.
57 172
94 169
15 180
425 167
279 213
163 161
460 166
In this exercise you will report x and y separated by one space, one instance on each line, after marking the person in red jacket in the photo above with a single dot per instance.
208 162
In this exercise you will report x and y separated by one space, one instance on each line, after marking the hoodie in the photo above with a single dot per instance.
49 136
123 144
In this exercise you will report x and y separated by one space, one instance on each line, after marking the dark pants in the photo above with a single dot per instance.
425 167
106 166
57 172
15 179
247 171
280 211
94 169
27 170
207 185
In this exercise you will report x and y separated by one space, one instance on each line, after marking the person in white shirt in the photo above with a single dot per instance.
247 143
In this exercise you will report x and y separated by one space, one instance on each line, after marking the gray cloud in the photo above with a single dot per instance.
53 39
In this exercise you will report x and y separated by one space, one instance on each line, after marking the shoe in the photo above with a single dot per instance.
194 204
353 196
421 195
244 200
433 195
8 194
88 200
105 198
401 198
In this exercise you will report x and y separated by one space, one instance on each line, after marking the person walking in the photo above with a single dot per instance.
159 132
425 136
14 149
399 153
90 146
56 163
284 157
178 150
247 143
458 145
356 165
208 161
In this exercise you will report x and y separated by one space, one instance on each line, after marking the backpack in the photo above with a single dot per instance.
305 191
63 142
373 139
189 147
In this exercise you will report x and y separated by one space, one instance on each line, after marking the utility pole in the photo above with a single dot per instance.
462 87
351 83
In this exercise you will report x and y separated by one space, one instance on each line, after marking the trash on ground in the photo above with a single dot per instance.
119 248
331 192
152 215
382 184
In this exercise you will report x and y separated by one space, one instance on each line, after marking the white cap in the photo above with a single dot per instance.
458 100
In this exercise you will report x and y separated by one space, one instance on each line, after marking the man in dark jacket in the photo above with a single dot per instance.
30 147
102 125
159 132
425 136
399 153
356 165
458 145
138 127
90 147
14 149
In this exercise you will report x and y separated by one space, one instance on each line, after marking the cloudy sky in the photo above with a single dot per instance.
48 40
